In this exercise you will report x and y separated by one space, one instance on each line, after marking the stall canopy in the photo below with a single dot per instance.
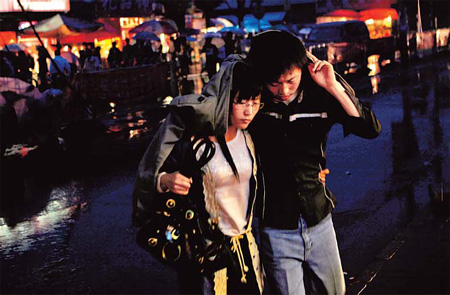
338 15
108 31
7 37
60 26
379 13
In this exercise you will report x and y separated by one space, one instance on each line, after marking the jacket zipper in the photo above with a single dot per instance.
254 173
323 185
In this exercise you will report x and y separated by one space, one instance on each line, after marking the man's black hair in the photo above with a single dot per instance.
272 53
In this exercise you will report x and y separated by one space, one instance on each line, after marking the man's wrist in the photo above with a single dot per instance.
336 89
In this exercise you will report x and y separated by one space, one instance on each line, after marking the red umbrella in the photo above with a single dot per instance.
157 27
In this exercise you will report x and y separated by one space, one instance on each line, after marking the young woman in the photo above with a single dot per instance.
227 183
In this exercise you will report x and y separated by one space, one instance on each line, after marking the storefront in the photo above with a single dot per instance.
381 23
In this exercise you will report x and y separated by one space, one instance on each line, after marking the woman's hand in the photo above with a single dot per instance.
176 183
323 174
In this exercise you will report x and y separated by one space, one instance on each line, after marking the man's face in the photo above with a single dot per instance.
287 85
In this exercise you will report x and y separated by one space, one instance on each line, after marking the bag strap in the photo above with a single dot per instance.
192 163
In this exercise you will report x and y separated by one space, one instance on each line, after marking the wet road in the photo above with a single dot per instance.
69 230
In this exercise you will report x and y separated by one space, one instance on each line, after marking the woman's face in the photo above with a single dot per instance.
244 111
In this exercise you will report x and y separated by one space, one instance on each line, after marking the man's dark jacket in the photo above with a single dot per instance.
291 140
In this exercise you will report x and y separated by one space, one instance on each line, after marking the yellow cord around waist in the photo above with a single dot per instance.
236 248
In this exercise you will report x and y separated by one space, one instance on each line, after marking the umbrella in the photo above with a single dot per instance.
234 30
146 36
60 26
283 27
70 57
223 22
251 24
15 47
157 26
216 39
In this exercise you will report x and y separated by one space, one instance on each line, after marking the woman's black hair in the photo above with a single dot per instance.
246 83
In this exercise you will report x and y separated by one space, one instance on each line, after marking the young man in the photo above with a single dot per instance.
303 99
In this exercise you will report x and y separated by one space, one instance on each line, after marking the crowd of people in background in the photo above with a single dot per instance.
59 71
16 64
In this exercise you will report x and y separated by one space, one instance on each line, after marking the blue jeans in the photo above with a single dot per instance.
285 253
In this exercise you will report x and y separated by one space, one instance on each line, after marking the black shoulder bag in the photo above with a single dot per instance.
180 228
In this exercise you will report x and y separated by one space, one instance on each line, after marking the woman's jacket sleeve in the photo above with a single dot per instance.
159 149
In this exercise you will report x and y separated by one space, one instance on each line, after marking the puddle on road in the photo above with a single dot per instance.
127 129
19 234
418 150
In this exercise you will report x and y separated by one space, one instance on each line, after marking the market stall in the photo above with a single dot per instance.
381 22
338 16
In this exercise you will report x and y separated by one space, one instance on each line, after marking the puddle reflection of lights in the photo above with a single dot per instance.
167 100
375 80
385 62
58 211
112 105
133 133
374 66
114 128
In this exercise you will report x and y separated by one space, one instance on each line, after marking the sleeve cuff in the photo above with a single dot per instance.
158 184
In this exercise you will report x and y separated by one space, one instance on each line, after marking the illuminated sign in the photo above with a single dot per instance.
130 22
35 5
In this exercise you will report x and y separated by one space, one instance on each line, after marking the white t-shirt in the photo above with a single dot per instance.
232 195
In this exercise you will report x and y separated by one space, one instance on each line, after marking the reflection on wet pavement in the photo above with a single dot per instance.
63 203
404 172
